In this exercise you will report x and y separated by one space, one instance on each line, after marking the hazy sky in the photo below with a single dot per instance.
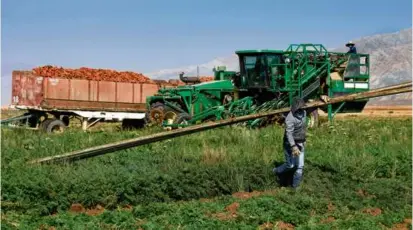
146 36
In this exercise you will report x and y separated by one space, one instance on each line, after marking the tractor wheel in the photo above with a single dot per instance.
157 113
183 119
312 119
54 126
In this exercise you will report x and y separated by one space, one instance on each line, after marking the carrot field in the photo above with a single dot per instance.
357 175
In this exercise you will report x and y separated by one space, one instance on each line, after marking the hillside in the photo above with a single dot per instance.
391 63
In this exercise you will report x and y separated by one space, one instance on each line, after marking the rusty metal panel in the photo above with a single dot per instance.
137 93
106 91
79 89
27 89
31 90
93 93
148 90
58 88
124 92
16 92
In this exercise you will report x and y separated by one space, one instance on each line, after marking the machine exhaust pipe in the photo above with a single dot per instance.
192 80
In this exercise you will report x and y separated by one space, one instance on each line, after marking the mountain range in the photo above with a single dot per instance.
390 63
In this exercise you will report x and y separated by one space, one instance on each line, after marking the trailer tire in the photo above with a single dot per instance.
45 123
54 126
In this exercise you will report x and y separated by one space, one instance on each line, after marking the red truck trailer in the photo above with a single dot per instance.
52 101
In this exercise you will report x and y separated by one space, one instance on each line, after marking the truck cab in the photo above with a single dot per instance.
258 68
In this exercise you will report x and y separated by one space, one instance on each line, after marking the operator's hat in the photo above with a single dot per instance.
350 43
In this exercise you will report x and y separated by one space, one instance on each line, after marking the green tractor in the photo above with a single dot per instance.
267 80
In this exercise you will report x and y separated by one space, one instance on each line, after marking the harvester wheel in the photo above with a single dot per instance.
183 119
156 115
157 112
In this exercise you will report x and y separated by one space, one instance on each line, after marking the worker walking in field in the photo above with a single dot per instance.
294 142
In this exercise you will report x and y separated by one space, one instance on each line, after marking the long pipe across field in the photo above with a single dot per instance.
103 149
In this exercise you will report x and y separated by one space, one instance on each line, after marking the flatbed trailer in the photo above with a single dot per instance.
51 102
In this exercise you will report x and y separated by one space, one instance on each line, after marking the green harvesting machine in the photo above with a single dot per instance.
266 80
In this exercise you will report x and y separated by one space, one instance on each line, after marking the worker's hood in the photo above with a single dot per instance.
297 104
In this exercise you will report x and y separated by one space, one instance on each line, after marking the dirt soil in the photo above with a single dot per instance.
331 207
230 212
328 220
372 211
363 193
248 195
405 225
78 208
266 226
284 226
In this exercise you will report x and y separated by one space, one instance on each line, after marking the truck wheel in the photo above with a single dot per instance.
54 126
312 119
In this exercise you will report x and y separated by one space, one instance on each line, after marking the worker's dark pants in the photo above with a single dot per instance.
291 162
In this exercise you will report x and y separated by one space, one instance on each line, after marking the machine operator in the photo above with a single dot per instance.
352 47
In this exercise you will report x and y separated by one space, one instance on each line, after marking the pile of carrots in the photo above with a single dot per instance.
103 75
206 78
90 74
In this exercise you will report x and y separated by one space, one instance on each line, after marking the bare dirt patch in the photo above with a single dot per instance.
127 207
403 226
248 195
205 200
95 211
331 207
284 226
328 220
230 212
78 208
266 226
364 194
372 211
232 208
